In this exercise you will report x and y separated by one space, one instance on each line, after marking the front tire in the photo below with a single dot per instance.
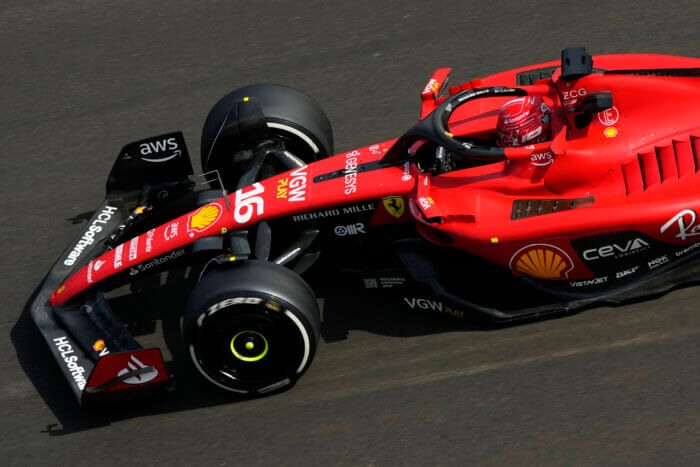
253 328
292 119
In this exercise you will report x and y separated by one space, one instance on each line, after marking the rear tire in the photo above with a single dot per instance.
252 328
292 117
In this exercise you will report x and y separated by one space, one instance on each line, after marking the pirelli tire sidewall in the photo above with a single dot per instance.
284 298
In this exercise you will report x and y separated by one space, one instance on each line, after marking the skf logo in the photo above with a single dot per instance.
542 261
394 206
204 217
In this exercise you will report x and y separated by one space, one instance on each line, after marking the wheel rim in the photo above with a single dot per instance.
293 144
249 346
271 167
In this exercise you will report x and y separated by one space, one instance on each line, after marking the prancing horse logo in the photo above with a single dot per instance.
394 206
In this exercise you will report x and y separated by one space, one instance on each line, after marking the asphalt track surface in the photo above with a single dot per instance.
80 79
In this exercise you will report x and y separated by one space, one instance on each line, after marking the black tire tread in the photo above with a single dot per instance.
281 104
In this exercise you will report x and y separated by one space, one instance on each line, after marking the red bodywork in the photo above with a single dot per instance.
635 167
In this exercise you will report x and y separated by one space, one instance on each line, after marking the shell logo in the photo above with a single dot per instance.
542 261
610 132
204 217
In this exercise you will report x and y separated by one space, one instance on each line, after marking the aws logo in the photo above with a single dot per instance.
204 217
541 158
542 261
151 149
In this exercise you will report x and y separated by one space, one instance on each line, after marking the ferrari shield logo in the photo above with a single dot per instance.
394 206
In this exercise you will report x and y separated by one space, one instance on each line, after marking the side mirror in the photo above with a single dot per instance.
591 104
596 102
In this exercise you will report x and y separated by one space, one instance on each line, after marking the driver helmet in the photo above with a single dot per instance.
523 121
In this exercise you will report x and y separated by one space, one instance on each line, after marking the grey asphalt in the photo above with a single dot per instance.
80 79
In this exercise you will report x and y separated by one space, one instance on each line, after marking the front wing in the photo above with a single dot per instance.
94 350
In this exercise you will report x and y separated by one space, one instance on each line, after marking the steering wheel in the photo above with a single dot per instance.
434 127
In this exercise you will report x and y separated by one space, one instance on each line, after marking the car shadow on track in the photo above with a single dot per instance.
149 305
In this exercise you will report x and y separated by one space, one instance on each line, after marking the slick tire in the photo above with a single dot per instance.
252 328
292 118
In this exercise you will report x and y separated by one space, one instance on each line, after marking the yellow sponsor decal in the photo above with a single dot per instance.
456 313
394 206
282 187
60 289
610 132
99 345
204 217
542 261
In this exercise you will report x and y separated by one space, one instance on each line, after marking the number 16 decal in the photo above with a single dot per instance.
247 202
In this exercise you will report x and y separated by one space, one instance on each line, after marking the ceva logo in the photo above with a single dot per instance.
615 250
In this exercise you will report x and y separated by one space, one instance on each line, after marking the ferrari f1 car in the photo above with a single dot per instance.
442 217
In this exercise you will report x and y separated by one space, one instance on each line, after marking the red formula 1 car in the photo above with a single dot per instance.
604 211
